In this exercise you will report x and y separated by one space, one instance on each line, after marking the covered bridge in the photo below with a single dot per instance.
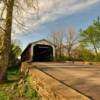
42 50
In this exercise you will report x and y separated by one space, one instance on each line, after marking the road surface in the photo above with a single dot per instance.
84 78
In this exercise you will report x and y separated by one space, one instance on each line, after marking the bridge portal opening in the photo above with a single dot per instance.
42 53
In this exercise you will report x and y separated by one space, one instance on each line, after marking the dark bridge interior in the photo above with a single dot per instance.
43 53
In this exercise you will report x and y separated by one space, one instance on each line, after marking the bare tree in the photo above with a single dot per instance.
6 18
71 40
57 39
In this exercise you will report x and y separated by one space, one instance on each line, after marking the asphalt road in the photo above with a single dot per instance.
84 78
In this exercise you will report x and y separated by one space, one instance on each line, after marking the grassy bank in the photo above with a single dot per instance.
14 90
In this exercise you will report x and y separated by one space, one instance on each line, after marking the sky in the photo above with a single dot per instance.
56 14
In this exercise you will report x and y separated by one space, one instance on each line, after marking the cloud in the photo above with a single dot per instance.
51 10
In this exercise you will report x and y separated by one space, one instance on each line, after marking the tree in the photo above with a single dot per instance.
15 52
83 54
71 41
90 37
57 39
6 39
6 29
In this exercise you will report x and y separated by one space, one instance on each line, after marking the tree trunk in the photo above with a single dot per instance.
69 52
5 41
96 51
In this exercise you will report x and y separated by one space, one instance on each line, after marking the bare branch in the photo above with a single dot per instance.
2 29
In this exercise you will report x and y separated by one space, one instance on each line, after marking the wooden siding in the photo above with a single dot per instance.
26 55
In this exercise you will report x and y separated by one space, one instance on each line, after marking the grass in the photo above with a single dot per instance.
10 91
12 77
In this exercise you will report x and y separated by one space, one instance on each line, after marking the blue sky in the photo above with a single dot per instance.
59 14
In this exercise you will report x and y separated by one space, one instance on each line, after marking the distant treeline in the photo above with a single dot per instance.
78 46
